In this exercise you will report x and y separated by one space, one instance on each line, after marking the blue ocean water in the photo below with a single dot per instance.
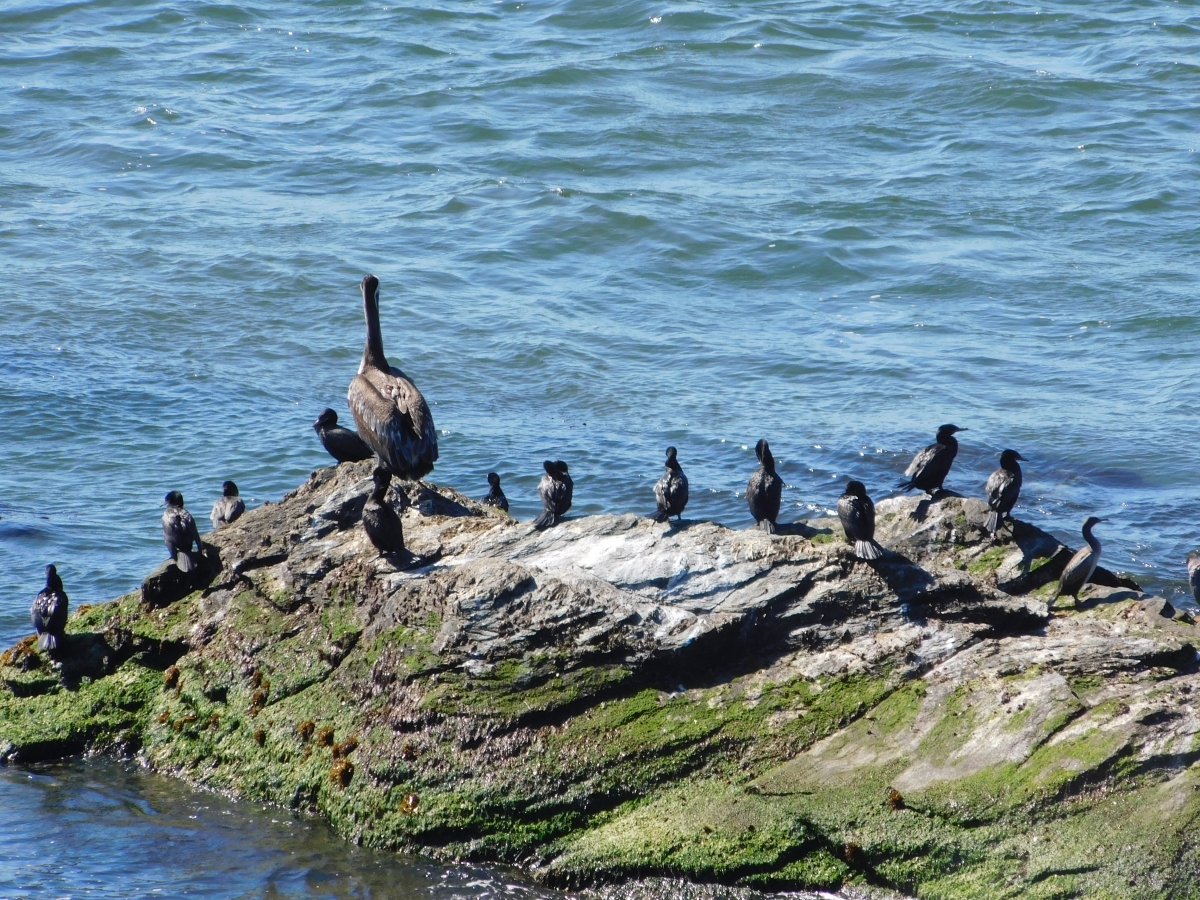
600 229
105 830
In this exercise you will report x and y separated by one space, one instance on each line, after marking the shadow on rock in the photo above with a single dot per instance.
169 583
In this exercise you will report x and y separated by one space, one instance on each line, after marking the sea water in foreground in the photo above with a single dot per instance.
96 828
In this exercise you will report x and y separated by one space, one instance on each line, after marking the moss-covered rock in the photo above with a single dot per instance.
615 699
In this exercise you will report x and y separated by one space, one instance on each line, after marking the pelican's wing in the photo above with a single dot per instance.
417 419
393 419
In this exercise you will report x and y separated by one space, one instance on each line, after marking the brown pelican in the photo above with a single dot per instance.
857 515
1082 564
179 532
1002 490
556 489
379 519
671 491
930 467
391 414
1193 564
342 443
228 508
764 490
495 497
49 612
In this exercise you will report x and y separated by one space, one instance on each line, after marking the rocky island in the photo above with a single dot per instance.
614 699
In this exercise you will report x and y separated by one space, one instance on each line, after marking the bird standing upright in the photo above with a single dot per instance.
228 508
1079 570
857 515
1002 489
1193 564
495 497
380 521
179 532
671 491
341 443
764 490
557 489
49 612
392 416
930 467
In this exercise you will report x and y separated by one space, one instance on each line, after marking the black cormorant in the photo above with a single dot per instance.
857 514
392 416
179 532
1002 490
671 491
556 489
380 521
930 467
49 612
1082 564
228 508
342 443
495 496
764 490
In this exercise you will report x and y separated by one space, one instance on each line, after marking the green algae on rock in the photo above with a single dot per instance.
616 699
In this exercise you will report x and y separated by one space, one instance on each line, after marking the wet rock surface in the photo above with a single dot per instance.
615 699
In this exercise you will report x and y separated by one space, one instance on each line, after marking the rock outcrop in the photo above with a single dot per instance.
616 699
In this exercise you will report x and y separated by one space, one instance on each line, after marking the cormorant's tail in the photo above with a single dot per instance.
992 524
545 520
183 560
767 525
661 515
906 485
868 550
47 642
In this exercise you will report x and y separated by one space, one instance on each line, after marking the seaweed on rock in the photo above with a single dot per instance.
610 700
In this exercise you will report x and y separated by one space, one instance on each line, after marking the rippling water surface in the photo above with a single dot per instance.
600 229
105 830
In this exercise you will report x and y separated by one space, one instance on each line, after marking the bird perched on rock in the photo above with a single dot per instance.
764 490
1193 564
495 497
1002 489
342 443
930 467
1079 570
228 508
380 521
556 489
49 612
857 515
179 532
392 416
671 491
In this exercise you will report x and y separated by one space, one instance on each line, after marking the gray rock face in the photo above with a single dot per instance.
691 597
614 697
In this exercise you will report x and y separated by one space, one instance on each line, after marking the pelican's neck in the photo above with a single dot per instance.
1092 540
373 352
